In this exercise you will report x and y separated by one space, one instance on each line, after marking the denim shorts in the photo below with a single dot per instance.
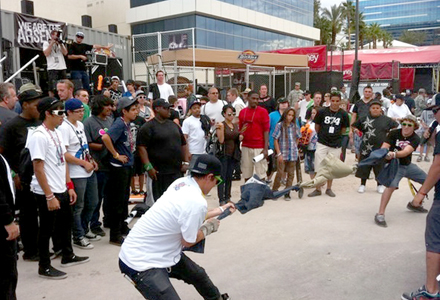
432 232
410 171
309 162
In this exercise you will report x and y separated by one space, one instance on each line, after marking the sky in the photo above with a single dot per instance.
328 3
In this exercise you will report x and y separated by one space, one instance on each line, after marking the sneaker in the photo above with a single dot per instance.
419 159
98 231
55 254
83 243
225 296
74 260
380 189
361 189
51 273
419 209
315 193
117 241
92 236
330 193
380 220
427 159
287 197
420 294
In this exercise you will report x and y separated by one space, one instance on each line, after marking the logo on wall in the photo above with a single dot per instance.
248 57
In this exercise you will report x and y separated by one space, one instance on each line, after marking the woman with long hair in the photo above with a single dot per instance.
285 141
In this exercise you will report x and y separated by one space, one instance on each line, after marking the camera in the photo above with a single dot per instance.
58 38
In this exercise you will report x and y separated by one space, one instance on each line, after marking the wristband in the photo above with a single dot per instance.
148 167
70 185
116 156
222 209
185 163
51 198
279 154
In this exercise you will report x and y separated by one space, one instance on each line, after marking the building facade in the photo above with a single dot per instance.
396 16
259 25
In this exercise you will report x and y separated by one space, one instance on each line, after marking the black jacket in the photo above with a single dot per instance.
6 199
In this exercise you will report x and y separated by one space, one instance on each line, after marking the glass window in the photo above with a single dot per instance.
200 22
238 43
201 37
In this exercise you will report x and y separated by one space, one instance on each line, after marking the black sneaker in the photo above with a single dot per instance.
225 296
31 257
98 231
51 273
117 241
74 260
287 197
419 209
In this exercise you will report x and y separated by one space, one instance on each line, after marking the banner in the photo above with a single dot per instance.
316 55
31 32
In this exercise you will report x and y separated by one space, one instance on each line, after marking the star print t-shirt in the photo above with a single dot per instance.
374 131
399 142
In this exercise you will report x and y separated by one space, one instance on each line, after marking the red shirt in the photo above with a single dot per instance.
253 123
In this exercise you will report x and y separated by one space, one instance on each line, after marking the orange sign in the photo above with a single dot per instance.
248 57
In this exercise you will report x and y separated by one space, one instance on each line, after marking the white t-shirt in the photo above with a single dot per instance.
303 106
238 104
156 239
55 61
398 111
165 90
214 110
196 136
73 140
50 149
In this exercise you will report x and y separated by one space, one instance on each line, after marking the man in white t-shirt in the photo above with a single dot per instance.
193 132
213 109
52 188
152 252
81 167
161 89
55 50
399 109
236 102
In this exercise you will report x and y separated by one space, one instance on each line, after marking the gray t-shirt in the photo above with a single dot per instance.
6 115
95 128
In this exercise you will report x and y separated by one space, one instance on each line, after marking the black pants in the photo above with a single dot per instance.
154 284
117 196
224 189
8 267
27 204
363 172
56 222
102 177
163 182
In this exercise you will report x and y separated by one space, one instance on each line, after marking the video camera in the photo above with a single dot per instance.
59 37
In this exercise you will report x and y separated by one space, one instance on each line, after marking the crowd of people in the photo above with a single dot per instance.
70 165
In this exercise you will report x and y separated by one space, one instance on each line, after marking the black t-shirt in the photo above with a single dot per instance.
78 49
410 103
164 143
13 137
268 103
375 131
437 152
397 141
331 124
362 109
135 126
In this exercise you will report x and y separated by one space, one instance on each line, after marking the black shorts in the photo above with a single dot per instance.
432 232
137 167
53 76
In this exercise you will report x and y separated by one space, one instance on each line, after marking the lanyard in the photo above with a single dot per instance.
57 145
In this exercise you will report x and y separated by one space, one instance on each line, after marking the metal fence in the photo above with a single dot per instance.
295 74
151 54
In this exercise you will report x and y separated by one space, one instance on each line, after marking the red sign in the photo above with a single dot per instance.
248 57
315 54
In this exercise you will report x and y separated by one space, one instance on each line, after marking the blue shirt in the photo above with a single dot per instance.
123 141
274 118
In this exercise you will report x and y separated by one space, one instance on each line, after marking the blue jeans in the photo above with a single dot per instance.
102 178
87 198
84 77
224 189
154 284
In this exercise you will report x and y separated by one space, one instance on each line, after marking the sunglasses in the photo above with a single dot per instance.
436 110
219 179
231 114
58 112
408 124
142 97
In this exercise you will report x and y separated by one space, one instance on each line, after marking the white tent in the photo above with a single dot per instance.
395 44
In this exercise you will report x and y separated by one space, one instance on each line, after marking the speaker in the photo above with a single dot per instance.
324 81
356 77
86 21
113 28
27 7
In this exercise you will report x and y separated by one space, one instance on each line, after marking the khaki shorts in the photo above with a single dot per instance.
322 151
247 165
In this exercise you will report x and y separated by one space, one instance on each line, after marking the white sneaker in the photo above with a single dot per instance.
361 189
83 243
92 237
380 189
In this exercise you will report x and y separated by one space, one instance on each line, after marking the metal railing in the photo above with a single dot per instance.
24 67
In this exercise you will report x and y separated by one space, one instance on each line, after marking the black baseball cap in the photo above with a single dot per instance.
125 102
195 102
282 100
307 92
47 103
29 95
375 102
206 164
161 103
